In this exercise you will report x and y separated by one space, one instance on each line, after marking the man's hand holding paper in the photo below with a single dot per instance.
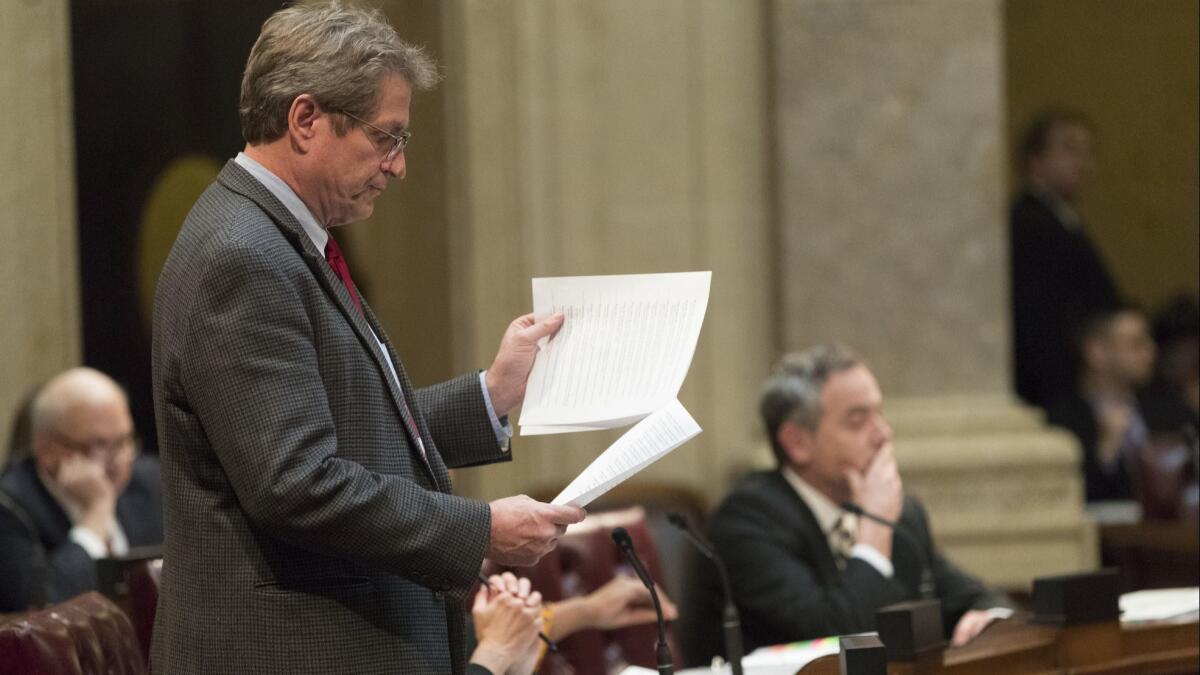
509 373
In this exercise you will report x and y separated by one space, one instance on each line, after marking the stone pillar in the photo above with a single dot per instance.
605 138
39 295
889 116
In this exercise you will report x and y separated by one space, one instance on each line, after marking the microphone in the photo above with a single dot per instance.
730 620
624 542
927 587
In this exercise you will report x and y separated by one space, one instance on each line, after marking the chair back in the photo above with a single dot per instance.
85 635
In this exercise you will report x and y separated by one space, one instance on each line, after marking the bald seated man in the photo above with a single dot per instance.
85 492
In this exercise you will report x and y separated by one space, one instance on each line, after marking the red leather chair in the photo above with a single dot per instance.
143 579
587 558
85 635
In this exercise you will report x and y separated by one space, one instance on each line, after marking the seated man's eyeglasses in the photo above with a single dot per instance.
116 449
398 141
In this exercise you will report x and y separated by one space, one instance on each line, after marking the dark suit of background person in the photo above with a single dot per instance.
309 527
1058 276
39 562
823 411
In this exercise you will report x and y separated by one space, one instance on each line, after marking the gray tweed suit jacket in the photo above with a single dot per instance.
304 533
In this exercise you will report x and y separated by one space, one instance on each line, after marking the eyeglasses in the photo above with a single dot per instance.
124 448
400 142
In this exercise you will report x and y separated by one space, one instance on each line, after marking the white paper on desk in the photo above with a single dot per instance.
1159 604
647 442
622 353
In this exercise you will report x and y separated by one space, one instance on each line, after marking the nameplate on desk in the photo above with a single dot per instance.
862 654
909 629
1077 598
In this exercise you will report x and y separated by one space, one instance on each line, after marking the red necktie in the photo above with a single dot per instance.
333 255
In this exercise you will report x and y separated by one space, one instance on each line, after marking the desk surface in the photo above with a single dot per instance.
1016 646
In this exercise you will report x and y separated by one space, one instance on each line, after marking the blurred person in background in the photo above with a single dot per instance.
85 492
1116 357
1058 276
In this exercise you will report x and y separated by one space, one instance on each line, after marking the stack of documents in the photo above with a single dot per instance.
620 358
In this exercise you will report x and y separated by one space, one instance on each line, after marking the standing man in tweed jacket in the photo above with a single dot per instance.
309 521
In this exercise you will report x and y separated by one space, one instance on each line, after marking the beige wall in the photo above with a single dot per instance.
1132 67
39 297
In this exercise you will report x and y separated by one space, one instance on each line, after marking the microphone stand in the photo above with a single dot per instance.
624 542
730 620
927 587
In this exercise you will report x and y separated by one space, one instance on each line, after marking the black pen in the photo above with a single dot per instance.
549 644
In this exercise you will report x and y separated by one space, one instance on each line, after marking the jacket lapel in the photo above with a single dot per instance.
807 528
239 180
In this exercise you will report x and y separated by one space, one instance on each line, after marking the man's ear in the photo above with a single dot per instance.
302 120
797 443
45 455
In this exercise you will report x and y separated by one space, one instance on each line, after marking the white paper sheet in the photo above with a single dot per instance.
647 442
1160 604
622 353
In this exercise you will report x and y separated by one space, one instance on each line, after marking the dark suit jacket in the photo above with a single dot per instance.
1058 279
304 531
787 584
1075 414
38 561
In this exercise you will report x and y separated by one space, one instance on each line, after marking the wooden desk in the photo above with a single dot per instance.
1016 647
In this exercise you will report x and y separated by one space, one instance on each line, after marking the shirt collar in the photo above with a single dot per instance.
826 512
288 197
1066 214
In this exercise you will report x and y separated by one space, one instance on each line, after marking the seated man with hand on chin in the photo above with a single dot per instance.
801 566
84 492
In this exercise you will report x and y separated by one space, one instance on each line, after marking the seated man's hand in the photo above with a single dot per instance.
506 626
878 489
524 530
84 480
971 624
509 372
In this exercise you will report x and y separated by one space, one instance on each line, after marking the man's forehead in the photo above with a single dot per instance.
849 389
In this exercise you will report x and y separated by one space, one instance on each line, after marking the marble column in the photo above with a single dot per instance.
890 163
39 295
605 138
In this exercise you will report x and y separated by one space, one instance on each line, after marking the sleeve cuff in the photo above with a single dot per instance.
500 427
1000 612
88 540
872 556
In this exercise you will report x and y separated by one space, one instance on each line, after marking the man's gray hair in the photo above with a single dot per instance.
335 52
793 391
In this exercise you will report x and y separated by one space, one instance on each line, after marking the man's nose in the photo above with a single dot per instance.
883 429
396 166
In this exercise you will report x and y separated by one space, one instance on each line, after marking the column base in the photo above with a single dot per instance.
1004 491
